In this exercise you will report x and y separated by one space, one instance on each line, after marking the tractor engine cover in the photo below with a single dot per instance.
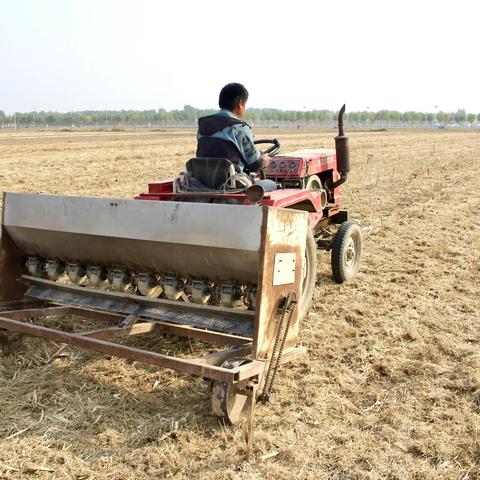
302 163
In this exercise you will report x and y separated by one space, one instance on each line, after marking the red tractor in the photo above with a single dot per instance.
225 263
306 180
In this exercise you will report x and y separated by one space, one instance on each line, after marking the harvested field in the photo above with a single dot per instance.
391 385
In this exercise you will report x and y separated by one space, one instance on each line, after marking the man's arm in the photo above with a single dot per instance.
252 158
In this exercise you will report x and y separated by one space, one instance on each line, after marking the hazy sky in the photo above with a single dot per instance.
112 54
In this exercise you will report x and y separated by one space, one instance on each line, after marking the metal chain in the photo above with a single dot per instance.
276 345
279 344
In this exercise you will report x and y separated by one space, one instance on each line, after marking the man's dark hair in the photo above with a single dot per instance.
231 94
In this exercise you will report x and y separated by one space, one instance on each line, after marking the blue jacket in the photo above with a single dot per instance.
239 134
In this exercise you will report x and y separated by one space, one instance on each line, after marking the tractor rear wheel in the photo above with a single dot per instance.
309 276
346 252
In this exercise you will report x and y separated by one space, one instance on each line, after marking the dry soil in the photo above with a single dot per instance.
390 387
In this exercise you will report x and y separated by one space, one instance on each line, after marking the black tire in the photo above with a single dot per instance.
310 276
346 252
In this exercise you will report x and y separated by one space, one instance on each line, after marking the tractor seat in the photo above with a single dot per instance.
212 173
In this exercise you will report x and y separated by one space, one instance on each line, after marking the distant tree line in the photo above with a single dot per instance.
189 115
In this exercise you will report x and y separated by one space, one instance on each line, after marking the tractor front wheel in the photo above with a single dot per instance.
313 183
346 252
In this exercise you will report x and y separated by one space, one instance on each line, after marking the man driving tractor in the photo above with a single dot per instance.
225 135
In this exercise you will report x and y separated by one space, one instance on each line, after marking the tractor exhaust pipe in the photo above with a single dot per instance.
342 150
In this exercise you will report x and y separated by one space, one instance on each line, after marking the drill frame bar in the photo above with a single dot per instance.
205 367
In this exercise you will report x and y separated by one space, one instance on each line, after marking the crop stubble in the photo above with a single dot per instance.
390 388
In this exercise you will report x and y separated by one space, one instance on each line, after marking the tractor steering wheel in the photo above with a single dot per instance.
271 151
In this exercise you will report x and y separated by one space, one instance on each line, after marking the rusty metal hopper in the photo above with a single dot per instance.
249 251
221 242
256 246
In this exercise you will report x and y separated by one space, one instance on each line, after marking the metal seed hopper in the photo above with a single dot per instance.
42 236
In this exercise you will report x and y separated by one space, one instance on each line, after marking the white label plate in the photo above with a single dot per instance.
284 269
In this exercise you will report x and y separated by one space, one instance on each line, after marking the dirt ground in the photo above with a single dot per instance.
391 385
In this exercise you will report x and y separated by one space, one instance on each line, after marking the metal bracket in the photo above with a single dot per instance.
131 319
340 217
